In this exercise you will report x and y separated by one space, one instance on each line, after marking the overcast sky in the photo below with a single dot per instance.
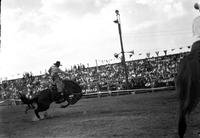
37 33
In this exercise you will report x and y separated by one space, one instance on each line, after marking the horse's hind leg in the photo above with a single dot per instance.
37 113
64 106
68 102
182 124
73 100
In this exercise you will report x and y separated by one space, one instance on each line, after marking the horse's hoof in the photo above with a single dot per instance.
35 119
45 115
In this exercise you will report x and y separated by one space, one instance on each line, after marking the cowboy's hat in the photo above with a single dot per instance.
57 63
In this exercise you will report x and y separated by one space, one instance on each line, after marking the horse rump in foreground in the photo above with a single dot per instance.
72 93
188 86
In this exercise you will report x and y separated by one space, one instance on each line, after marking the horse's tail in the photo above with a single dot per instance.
26 100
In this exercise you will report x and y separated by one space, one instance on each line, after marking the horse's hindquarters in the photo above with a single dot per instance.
73 90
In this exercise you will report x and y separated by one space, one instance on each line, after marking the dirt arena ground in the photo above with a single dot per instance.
148 115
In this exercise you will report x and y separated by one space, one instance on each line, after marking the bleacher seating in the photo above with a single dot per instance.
143 73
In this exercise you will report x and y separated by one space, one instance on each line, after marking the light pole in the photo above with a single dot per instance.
122 49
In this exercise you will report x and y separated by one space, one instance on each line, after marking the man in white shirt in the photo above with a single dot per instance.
196 34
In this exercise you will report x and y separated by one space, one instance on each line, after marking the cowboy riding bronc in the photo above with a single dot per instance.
54 72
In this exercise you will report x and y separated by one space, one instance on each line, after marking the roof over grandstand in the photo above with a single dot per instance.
36 33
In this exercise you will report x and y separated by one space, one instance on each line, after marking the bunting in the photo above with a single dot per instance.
157 53
116 55
165 51
148 54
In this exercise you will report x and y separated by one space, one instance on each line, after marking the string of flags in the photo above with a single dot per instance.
148 54
131 53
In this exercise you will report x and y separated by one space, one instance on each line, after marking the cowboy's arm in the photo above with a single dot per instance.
62 72
65 73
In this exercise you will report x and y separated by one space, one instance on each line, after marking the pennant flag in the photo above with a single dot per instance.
157 53
116 55
132 52
165 51
116 21
148 54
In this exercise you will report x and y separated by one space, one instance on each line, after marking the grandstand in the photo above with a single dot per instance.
152 72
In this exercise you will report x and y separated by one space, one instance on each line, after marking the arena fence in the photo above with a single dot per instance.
102 94
126 92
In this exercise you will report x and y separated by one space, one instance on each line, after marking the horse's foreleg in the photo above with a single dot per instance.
32 106
26 110
41 108
37 113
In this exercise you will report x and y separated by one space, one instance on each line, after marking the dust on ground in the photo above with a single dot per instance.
147 115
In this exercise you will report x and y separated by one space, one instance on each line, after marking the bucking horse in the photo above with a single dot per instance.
72 94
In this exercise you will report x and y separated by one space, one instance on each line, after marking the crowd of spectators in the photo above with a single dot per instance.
144 73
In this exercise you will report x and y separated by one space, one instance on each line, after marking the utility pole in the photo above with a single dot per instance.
122 48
